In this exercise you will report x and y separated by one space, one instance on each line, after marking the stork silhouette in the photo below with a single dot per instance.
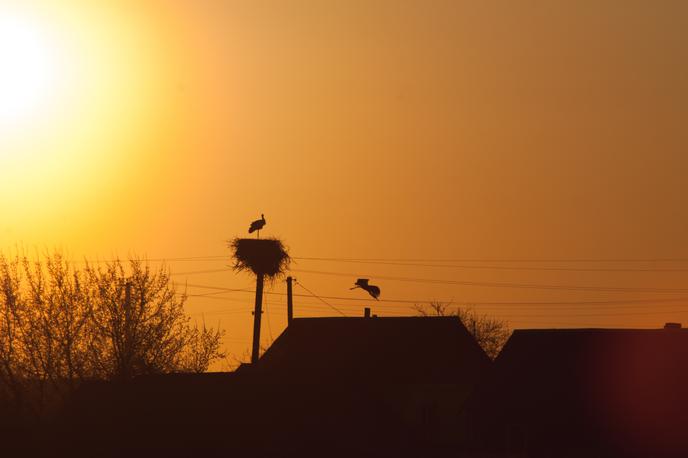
257 225
372 289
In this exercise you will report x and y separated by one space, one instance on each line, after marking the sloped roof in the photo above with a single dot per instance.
363 350
627 385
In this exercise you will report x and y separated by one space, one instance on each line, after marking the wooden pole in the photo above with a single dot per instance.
256 319
290 302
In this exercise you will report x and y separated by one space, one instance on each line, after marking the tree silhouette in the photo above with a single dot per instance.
61 324
140 326
264 258
202 349
490 333
12 361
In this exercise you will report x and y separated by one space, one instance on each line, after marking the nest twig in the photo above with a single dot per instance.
268 257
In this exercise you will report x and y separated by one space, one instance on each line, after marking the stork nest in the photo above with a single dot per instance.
268 257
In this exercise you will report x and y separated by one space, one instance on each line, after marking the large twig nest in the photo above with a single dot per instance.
268 257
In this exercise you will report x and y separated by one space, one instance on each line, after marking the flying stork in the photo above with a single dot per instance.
372 289
257 225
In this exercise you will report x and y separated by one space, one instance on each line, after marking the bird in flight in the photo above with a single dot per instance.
257 225
372 289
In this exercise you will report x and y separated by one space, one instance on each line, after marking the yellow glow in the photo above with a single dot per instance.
27 66
79 100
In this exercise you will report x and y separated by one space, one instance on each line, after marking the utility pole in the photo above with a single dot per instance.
290 302
256 319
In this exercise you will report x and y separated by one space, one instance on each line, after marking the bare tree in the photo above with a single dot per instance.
12 306
140 326
60 325
202 349
55 332
490 333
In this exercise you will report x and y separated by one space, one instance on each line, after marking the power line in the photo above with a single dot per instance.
569 324
212 293
411 260
196 272
146 259
226 299
220 288
631 303
484 267
664 312
519 317
506 316
470 302
505 285
319 298
506 260
442 264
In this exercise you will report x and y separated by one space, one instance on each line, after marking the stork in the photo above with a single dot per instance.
257 225
372 289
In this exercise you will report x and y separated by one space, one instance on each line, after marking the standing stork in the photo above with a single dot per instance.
257 225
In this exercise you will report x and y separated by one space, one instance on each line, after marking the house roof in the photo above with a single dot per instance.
617 355
389 350
627 382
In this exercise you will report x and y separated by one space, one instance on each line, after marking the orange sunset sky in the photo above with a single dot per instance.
527 157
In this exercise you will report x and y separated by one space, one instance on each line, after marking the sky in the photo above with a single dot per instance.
507 153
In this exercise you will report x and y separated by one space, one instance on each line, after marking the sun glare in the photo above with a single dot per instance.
27 69
79 96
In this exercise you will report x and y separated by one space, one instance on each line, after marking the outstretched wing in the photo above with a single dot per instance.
374 291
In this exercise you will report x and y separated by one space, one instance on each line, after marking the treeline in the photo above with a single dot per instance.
63 323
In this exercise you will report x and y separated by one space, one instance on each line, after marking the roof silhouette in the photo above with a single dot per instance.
384 384
369 350
620 388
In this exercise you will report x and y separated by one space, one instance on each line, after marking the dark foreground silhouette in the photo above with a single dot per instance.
398 387
595 392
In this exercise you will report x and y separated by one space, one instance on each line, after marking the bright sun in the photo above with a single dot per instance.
27 69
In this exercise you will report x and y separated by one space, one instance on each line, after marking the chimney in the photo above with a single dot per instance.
672 326
366 312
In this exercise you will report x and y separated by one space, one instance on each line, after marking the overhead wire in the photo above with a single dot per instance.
621 304
503 285
319 298
509 260
424 260
412 260
476 283
196 272
471 302
504 314
488 267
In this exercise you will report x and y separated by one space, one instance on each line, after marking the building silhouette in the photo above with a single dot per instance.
337 386
618 392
